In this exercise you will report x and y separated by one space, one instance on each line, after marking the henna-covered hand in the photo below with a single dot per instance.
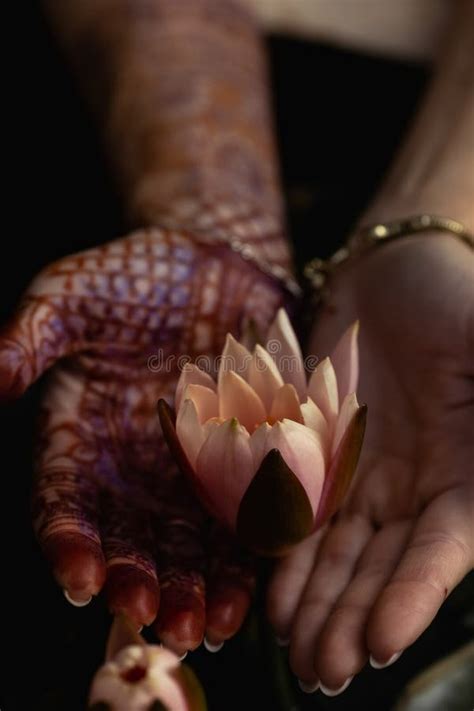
110 510
180 92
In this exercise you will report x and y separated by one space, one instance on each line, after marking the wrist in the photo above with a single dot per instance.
386 208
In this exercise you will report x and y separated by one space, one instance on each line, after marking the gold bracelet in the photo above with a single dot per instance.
317 271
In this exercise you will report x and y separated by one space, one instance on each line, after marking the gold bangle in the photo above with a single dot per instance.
317 271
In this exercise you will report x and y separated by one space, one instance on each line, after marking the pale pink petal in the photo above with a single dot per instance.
286 404
191 374
323 391
189 431
235 357
258 444
264 376
225 468
302 450
348 409
211 425
315 420
345 359
205 399
238 399
284 348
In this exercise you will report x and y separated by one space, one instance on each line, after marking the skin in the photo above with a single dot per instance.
110 509
373 580
109 506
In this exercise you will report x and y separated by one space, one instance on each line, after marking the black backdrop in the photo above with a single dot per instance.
340 116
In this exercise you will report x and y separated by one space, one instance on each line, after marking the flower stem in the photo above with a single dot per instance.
275 657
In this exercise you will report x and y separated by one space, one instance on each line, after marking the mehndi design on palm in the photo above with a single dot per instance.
109 505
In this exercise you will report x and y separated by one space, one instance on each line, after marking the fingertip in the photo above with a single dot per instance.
401 614
181 621
78 565
133 592
227 608
384 663
341 652
83 602
212 647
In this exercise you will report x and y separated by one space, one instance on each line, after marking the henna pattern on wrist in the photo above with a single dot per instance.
183 98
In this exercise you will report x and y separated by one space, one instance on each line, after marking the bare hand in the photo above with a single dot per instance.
374 579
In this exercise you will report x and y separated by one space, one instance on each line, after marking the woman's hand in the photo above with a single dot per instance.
110 510
374 579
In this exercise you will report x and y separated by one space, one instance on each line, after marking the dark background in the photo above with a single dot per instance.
340 116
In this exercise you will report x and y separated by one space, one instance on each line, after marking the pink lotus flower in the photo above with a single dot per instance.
139 677
270 455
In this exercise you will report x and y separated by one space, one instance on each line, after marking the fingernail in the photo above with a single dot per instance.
335 692
76 603
140 629
375 664
308 688
212 647
282 641
183 656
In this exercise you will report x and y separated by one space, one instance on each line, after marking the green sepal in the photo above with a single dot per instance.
168 424
275 513
342 468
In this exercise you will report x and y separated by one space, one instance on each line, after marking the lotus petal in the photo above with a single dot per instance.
225 468
323 390
189 431
275 512
345 360
191 374
347 412
176 447
284 348
264 376
238 399
302 450
286 405
342 468
315 420
235 357
258 444
168 426
205 400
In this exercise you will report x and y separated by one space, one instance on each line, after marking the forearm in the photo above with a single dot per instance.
434 171
181 93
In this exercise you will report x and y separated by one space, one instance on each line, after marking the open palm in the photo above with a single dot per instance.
372 581
110 508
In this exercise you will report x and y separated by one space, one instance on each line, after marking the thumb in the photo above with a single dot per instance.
34 339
